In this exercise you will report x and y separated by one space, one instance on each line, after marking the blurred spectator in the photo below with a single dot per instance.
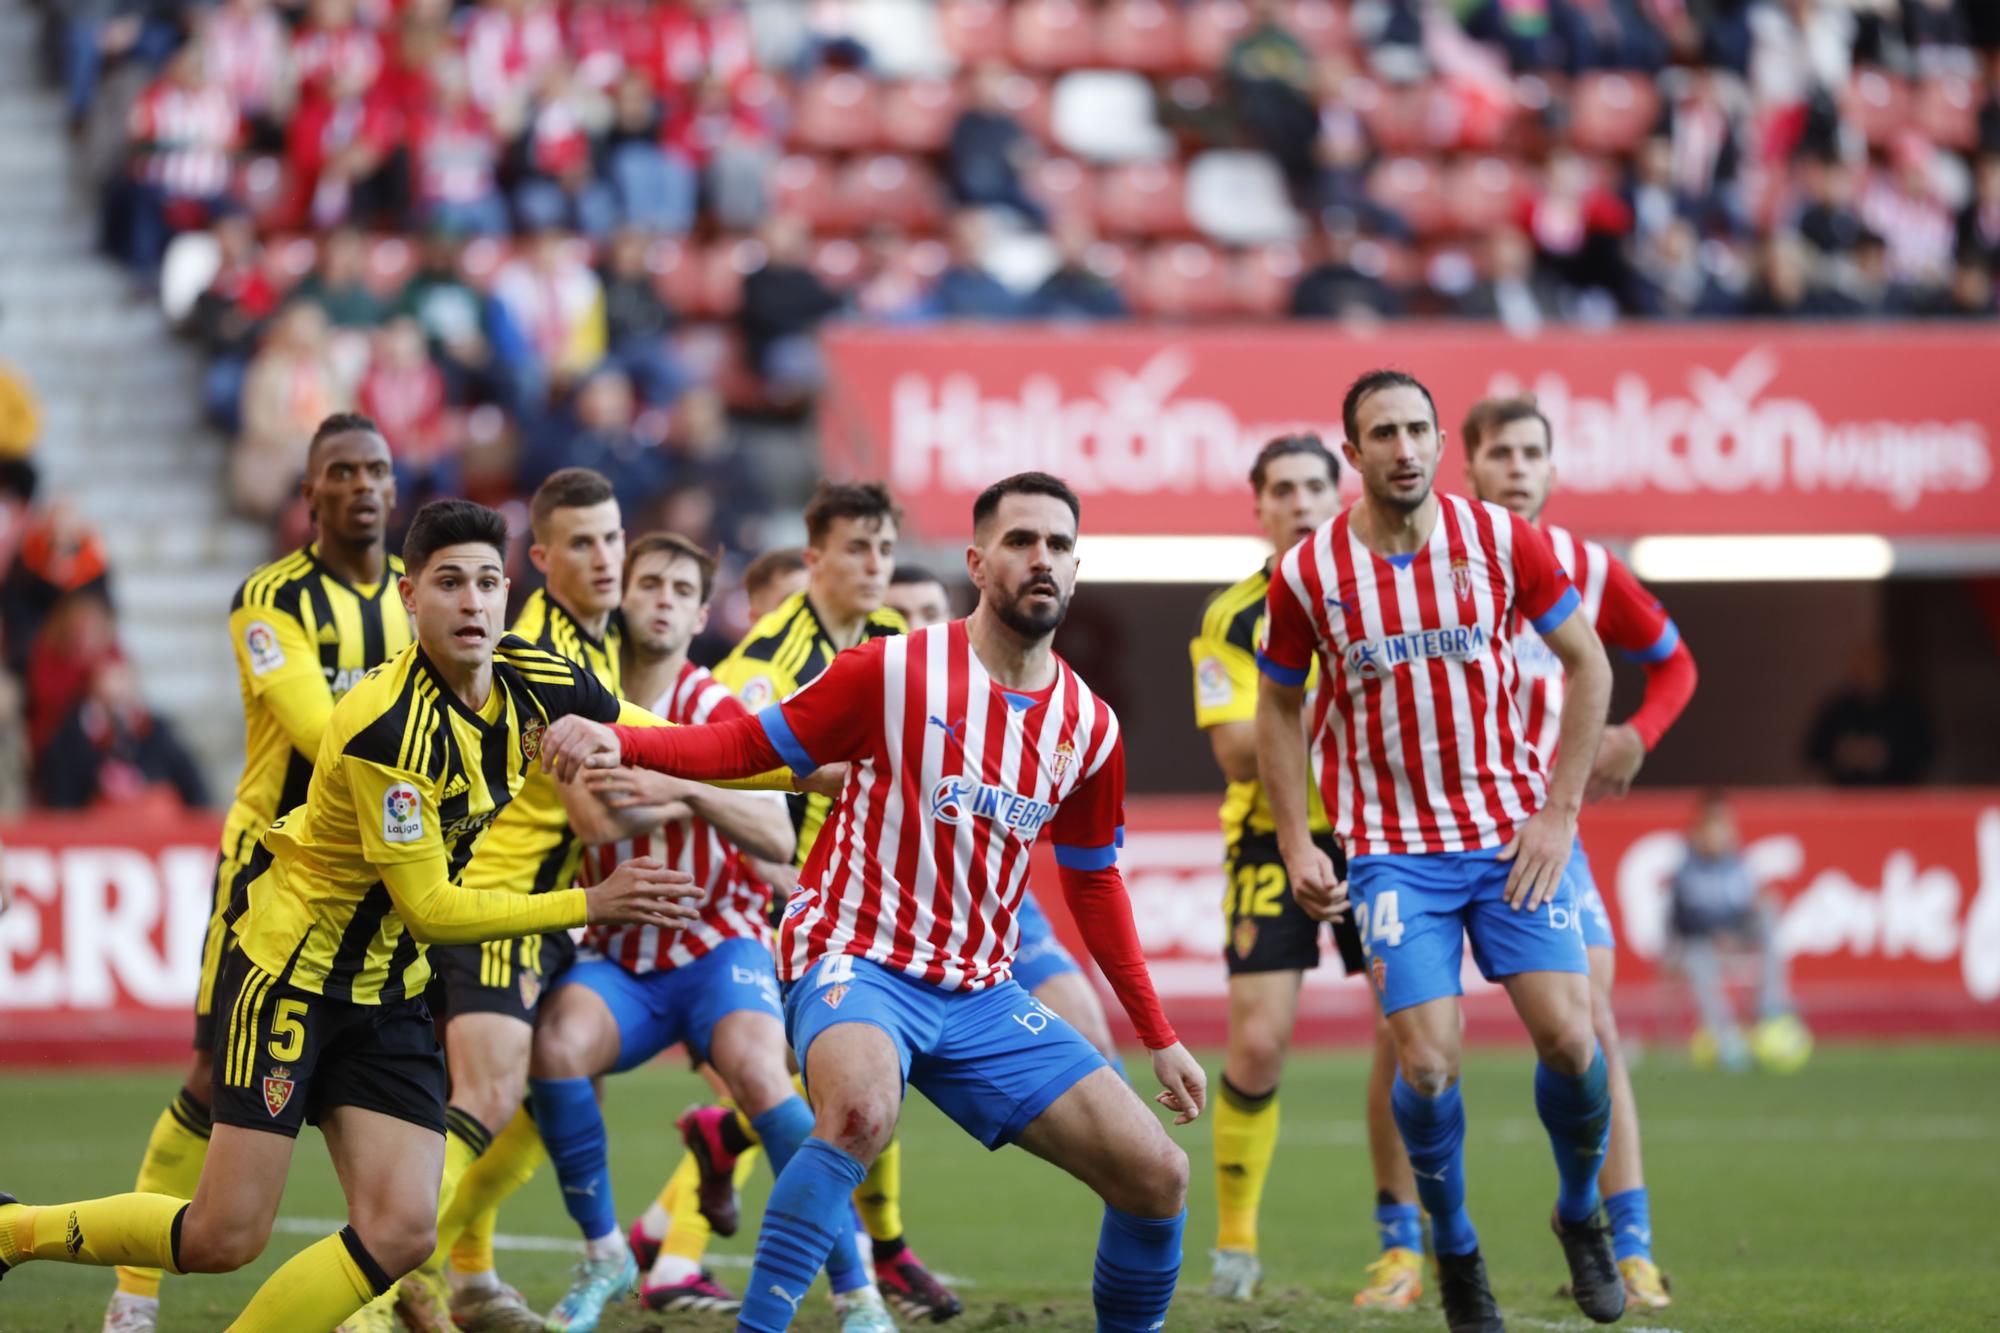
114 752
1578 226
15 760
20 417
289 389
183 134
723 135
230 315
965 290
1969 294
1510 291
453 318
1901 203
1715 899
1531 32
1348 280
1269 76
638 320
1799 49
1828 221
510 46
333 51
890 289
697 37
1703 123
1652 195
990 155
553 306
77 637
1872 732
347 155
338 283
606 434
1979 221
656 190
405 394
58 555
247 53
553 159
94 32
1938 36
1612 34
456 159
1074 290
1867 283
1784 286
708 456
784 303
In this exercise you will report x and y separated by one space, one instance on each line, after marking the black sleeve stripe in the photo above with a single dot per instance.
1243 626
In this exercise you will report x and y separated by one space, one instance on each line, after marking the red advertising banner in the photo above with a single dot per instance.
1685 429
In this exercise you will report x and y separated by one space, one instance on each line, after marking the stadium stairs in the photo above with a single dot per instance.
122 431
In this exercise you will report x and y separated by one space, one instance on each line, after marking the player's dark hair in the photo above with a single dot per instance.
770 566
1024 483
570 488
905 575
832 501
1488 415
340 423
675 547
443 523
1374 382
1284 446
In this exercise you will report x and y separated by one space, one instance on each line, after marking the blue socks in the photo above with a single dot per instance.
782 1129
1400 1226
572 1127
1631 1223
1433 1130
808 1211
1138 1265
1577 1114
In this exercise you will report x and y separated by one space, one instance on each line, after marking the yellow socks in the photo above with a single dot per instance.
136 1229
466 1224
172 1165
1246 1136
317 1288
880 1198
688 1233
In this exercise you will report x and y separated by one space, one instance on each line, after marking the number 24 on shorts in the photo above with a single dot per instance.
1380 913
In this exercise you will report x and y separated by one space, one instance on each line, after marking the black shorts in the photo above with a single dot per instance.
1267 930
284 1057
500 976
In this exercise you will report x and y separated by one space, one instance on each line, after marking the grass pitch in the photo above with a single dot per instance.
1862 1193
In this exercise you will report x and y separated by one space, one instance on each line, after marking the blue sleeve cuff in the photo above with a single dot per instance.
1091 858
1284 675
1558 613
1663 647
779 732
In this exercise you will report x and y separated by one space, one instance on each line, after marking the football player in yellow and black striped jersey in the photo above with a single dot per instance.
304 629
1269 940
332 916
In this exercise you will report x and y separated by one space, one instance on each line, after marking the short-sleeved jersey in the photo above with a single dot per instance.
1627 617
1428 752
405 772
784 652
735 904
924 859
532 848
1225 690
303 636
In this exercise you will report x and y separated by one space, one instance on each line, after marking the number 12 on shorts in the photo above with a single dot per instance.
1379 911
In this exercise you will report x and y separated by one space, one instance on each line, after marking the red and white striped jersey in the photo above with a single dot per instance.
922 864
1625 615
737 903
1425 751
189 136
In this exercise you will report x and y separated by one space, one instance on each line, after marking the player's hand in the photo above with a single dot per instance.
1315 887
826 780
644 892
1539 852
574 743
1620 755
623 788
1184 1080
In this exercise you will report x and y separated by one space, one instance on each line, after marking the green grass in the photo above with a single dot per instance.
1860 1194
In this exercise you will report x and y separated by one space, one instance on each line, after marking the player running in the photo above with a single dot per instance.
304 629
1409 600
1269 938
967 740
1509 451
332 916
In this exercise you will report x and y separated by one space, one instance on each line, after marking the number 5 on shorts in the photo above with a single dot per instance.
288 1030
1380 909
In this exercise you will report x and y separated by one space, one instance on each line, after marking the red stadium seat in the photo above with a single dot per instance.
805 185
1027 101
1612 113
1946 108
1117 265
1143 199
1212 27
884 187
1261 279
974 30
927 259
1406 118
1183 280
917 115
391 260
676 268
724 266
1483 192
1052 34
1065 187
1320 25
836 112
1411 186
838 262
1878 105
1140 34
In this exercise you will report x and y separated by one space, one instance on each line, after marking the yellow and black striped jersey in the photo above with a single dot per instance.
1225 690
532 848
782 653
406 774
302 636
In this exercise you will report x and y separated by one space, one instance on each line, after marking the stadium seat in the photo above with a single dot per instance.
1612 113
1142 199
1107 115
1140 34
1211 27
1411 186
885 187
1239 197
1052 34
290 258
1065 187
803 184
838 262
1320 25
837 111
482 258
677 269
927 259
1946 108
917 114
1482 192
1261 279
1118 265
1027 101
724 266
1878 105
1183 280
391 260
1406 118
974 30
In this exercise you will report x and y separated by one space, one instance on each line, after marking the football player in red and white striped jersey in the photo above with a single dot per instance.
967 740
1411 602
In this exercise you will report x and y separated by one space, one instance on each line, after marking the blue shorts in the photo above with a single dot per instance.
990 1059
654 1010
1040 956
1583 887
1414 913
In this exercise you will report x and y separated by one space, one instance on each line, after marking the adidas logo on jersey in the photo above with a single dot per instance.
328 634
454 786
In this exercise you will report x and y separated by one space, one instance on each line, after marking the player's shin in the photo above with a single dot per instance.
1576 1111
1433 1130
1138 1265
880 1202
802 1223
573 1132
316 1288
465 1220
142 1230
1246 1137
172 1165
783 1130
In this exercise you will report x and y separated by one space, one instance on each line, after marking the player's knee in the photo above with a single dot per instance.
1568 1046
1257 1055
1428 1070
493 1100
761 1084
218 1249
859 1127
1156 1184
559 1049
399 1243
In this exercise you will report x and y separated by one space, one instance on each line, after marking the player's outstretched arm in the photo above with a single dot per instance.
1541 847
1283 769
604 814
756 823
436 911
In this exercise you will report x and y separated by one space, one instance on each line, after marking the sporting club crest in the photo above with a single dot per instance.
1461 578
531 738
278 1085
834 995
1063 758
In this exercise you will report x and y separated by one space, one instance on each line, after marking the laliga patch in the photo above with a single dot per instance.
278 1085
261 642
531 738
1211 683
402 814
757 691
